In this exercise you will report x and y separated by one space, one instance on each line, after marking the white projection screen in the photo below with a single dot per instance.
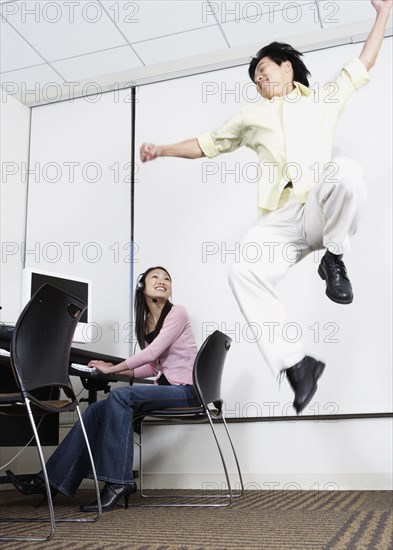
190 216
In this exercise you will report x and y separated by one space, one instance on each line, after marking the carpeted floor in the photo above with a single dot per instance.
260 520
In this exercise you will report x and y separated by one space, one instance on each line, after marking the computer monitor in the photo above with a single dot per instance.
33 279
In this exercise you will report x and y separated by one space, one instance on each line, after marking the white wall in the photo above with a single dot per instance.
334 455
14 143
196 204
78 217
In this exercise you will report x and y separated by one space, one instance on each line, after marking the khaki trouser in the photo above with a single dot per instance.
328 219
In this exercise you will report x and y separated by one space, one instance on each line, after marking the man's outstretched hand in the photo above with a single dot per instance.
188 149
382 4
374 40
148 151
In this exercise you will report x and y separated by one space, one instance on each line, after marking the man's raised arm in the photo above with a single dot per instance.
373 43
188 149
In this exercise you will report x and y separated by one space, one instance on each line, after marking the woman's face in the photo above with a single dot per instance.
158 285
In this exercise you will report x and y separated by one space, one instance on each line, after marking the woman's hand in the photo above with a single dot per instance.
101 366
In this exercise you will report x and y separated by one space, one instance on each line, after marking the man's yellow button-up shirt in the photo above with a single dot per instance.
292 135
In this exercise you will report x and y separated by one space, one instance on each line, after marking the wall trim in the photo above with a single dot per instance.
292 418
273 482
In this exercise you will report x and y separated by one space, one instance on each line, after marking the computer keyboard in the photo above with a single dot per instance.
83 368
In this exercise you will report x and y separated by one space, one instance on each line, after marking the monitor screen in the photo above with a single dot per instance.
33 279
78 289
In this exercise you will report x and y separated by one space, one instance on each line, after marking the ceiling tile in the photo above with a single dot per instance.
87 39
60 29
228 11
97 64
143 20
341 12
27 83
15 52
182 45
295 19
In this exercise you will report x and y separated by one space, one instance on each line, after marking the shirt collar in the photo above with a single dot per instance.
304 90
299 89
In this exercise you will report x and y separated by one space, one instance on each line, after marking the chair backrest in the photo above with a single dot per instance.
42 338
208 368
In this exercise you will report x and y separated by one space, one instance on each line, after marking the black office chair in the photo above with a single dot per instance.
40 350
207 374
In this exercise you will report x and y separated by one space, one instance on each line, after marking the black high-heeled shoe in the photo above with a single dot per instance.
110 495
32 485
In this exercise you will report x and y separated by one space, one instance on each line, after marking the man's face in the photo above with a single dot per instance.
272 79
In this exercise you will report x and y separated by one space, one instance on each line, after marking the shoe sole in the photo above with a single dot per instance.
318 371
321 273
94 508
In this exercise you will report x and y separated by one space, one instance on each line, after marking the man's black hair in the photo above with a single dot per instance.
279 52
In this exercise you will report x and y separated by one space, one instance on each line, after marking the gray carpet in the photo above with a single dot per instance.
263 520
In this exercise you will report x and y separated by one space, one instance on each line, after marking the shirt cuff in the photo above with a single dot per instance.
206 143
358 73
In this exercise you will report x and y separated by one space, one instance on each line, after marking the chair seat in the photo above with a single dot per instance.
12 404
188 411
176 411
10 397
57 405
188 415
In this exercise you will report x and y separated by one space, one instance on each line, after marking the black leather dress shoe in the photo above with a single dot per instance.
333 271
303 379
110 495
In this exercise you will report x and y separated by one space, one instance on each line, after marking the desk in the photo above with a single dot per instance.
92 382
16 431
95 381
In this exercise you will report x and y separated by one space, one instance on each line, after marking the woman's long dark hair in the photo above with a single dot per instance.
141 310
279 52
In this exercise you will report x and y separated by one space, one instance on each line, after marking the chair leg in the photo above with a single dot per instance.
47 486
93 468
96 486
231 494
53 521
241 492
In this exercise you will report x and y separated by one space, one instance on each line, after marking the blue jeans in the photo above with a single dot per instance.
109 427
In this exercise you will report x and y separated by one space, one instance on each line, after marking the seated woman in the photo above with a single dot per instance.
168 350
